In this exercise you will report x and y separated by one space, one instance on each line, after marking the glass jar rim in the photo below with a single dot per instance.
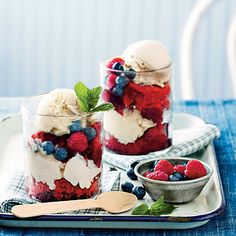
28 111
103 65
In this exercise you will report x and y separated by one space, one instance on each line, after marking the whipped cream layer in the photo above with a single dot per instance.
46 169
81 171
126 128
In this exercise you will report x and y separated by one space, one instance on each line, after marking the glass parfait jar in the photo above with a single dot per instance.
142 120
63 154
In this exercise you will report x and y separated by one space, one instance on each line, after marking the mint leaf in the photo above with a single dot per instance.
158 202
157 208
103 107
140 210
81 91
88 98
93 96
160 207
83 105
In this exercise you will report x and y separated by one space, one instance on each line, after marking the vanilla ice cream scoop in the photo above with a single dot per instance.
145 56
57 110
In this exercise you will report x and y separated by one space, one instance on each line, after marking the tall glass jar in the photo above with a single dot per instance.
63 154
142 120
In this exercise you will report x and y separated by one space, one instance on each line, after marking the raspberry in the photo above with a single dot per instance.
147 96
114 60
41 191
164 166
39 187
158 175
195 169
111 81
180 169
96 151
153 113
46 137
77 142
106 95
64 190
147 173
93 189
62 142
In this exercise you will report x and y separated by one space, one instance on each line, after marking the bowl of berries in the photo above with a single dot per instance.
178 179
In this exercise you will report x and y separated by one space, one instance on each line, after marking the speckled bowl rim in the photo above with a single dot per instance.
184 182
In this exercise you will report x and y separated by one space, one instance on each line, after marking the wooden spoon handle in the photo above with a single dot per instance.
37 209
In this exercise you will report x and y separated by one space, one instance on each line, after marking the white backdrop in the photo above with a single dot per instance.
46 44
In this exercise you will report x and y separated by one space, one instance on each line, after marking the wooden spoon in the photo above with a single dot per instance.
113 202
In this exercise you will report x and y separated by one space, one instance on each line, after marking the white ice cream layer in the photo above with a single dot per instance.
57 110
126 128
147 55
44 169
81 171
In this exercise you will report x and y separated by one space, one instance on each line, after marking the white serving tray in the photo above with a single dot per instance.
209 204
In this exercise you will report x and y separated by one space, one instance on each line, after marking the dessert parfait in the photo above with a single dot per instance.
137 83
63 148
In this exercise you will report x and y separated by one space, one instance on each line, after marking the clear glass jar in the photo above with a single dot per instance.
65 162
142 120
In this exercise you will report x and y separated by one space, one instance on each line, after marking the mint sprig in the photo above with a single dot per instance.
157 208
88 98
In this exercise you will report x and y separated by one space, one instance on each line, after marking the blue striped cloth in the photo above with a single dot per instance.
220 113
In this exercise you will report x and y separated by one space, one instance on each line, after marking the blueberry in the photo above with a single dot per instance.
75 126
127 187
130 173
151 169
139 192
131 73
90 133
134 164
176 177
118 91
60 154
47 147
117 66
121 81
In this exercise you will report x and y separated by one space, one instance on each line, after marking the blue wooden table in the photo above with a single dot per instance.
220 113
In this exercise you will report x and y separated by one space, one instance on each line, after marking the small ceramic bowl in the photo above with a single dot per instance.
173 191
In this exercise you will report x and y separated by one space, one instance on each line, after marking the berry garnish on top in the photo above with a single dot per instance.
164 166
157 175
195 169
164 170
180 169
